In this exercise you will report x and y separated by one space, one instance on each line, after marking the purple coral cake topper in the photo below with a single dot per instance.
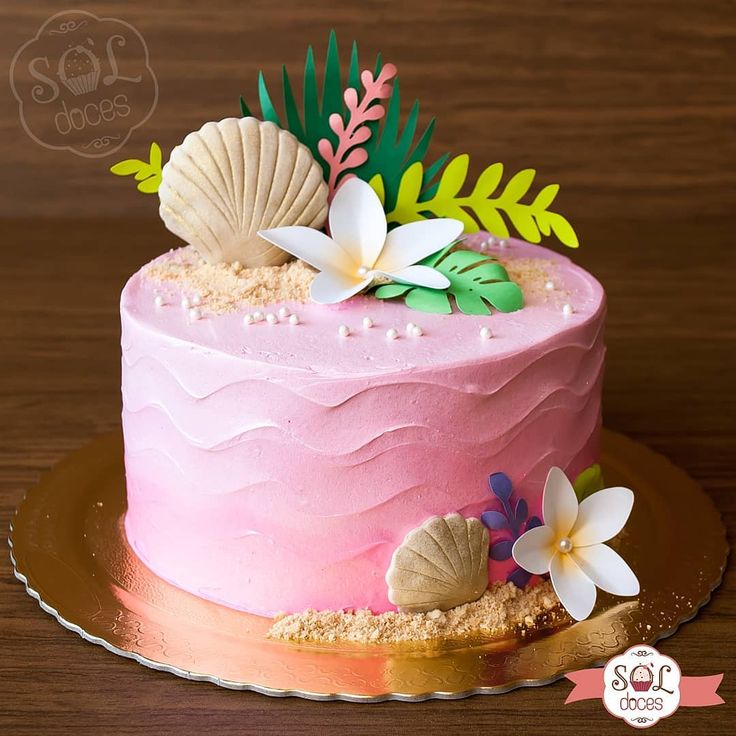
510 522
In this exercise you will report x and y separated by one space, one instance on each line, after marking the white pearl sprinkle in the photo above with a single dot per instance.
293 319
195 314
503 243
417 331
565 545
343 330
485 333
185 303
159 301
392 333
367 323
567 309
410 327
491 241
249 319
549 285
483 244
283 312
362 271
271 318
196 300
257 316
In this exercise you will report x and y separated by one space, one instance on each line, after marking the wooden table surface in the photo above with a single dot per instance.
629 104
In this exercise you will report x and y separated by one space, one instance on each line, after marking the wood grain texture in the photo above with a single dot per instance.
628 104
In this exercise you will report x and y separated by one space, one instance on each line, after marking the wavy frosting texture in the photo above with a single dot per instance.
277 467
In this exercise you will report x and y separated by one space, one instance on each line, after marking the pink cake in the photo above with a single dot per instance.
276 467
344 393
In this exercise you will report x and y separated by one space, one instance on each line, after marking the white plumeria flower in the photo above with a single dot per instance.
570 544
362 249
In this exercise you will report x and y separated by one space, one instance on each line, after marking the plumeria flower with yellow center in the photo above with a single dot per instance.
360 249
570 544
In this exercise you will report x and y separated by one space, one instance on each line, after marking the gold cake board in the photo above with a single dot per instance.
68 547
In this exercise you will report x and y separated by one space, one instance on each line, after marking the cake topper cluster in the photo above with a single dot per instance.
344 186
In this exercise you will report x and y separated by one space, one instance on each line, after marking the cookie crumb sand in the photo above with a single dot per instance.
224 287
503 610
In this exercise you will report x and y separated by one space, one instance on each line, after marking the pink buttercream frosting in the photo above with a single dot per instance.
277 467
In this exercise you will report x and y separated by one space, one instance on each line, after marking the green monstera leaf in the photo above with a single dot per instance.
476 281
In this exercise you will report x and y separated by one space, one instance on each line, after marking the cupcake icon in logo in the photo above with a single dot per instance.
641 678
79 70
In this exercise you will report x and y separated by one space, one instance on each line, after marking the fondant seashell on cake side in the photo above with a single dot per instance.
232 178
440 565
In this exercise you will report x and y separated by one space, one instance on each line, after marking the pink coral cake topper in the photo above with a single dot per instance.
348 154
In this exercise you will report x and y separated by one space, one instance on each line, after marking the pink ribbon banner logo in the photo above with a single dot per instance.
642 686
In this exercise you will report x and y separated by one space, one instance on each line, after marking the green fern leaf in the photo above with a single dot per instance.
267 108
354 69
430 173
290 106
392 150
332 85
404 141
420 150
244 109
311 99
312 123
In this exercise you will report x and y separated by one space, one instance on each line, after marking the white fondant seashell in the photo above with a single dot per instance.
441 564
230 179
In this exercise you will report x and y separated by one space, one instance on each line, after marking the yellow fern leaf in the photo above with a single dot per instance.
147 173
481 208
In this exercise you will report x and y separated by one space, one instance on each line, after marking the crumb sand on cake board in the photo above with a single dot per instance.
502 611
